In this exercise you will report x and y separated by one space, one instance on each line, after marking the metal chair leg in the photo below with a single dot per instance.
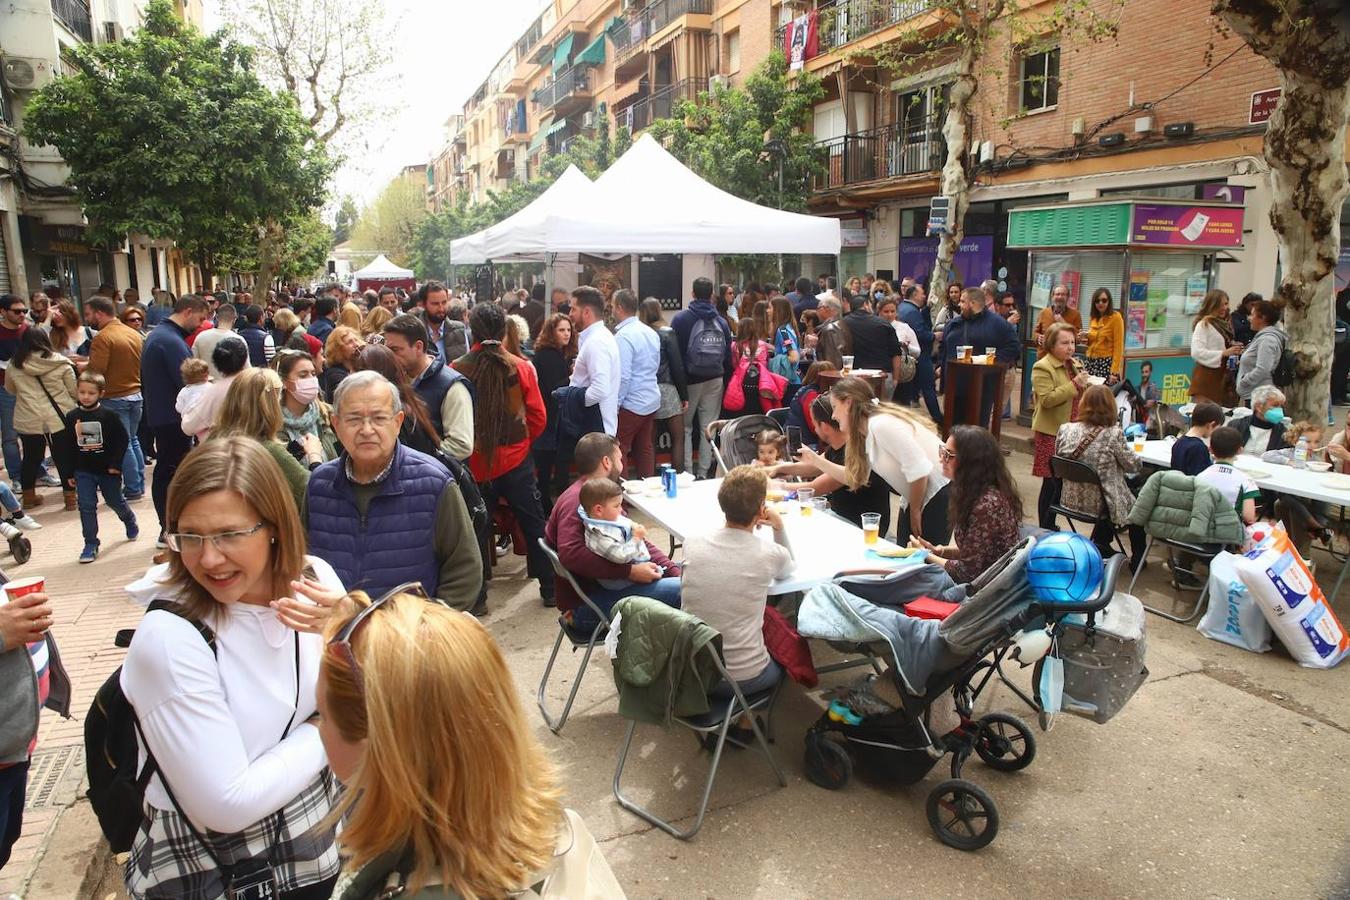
1148 545
647 814
556 725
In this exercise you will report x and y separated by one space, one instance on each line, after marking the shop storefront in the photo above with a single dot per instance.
1155 256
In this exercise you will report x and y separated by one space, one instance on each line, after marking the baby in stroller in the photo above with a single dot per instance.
609 533
937 668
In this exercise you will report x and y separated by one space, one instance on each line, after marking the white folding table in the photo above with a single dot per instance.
823 544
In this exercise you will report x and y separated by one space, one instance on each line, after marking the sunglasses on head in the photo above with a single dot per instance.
341 644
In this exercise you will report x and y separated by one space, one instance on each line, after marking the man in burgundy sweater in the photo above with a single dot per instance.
598 455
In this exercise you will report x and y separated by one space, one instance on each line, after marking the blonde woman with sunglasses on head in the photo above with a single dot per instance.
241 779
464 803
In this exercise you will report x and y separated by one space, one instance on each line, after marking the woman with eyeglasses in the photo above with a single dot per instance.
1105 338
985 507
134 317
241 777
465 803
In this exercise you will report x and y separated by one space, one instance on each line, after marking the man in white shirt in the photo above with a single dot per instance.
205 343
597 367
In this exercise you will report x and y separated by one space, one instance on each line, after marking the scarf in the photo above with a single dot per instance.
1223 326
305 423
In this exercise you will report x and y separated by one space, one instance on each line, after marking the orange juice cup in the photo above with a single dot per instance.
804 496
871 524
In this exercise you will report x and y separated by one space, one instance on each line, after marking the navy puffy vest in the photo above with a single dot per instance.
395 542
256 339
432 386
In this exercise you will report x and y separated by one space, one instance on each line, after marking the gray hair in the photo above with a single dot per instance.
1267 395
456 310
990 287
834 304
364 379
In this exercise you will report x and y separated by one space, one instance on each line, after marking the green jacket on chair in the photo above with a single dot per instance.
1175 507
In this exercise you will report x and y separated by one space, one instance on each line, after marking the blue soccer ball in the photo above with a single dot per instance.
1065 568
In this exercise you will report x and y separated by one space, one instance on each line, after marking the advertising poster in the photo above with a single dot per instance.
1157 309
1135 327
1172 374
1040 289
1138 287
1072 280
1187 226
974 260
1196 288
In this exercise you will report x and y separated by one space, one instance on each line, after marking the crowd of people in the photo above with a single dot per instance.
334 476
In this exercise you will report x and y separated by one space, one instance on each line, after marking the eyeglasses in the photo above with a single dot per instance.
224 541
17 310
1102 300
341 644
379 420
944 454
134 320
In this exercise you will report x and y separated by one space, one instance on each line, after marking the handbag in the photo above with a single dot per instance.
908 365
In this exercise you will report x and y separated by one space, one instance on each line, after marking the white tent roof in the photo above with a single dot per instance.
381 267
523 233
649 202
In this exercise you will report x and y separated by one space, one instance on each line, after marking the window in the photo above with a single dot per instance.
1040 80
733 51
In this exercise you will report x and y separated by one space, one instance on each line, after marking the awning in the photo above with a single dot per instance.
540 134
594 54
555 128
614 23
563 52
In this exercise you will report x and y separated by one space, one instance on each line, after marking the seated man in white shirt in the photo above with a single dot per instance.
597 367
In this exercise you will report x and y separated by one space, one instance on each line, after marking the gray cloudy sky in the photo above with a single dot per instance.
445 50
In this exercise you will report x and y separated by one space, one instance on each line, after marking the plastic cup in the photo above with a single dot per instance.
21 586
1138 445
820 504
990 354
871 524
804 496
848 364
965 352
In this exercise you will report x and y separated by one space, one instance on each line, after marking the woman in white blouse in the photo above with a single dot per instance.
900 447
231 726
1212 344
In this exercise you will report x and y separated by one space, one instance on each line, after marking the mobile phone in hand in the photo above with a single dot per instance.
794 436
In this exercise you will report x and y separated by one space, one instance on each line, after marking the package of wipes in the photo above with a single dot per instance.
1293 604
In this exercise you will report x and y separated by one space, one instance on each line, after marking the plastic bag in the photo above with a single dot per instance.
1232 616
1103 663
1293 604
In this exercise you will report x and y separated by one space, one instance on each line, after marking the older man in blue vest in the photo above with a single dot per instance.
383 514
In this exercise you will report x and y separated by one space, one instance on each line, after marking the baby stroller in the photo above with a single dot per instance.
930 660
733 440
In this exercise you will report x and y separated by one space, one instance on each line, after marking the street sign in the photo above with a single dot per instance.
937 215
1262 105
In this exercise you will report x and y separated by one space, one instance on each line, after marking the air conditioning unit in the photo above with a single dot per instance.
26 73
112 31
588 120
719 81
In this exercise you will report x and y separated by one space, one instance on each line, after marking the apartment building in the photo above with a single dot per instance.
42 229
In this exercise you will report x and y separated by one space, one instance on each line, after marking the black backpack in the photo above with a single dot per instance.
116 787
1283 376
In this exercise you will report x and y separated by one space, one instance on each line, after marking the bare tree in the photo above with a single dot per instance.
1309 42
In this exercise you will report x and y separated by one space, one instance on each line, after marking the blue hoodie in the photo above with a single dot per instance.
683 323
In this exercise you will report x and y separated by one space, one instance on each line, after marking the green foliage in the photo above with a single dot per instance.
737 139
389 224
305 249
170 134
346 217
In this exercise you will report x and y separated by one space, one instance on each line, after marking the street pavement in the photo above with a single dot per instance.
1224 777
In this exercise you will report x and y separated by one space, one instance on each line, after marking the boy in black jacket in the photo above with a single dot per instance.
100 444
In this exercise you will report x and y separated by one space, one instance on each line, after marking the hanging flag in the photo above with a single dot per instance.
802 41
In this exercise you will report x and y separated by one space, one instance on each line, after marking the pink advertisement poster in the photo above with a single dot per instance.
1187 226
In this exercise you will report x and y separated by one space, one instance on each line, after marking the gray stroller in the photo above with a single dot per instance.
733 440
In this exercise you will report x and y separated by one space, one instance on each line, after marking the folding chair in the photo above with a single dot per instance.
578 637
1205 552
1078 472
714 722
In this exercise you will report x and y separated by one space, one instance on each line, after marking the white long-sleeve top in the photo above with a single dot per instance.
1207 345
598 369
902 454
215 722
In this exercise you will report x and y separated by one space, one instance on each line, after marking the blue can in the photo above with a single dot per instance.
668 480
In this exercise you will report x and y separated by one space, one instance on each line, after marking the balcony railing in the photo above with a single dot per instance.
659 104
845 21
643 23
74 15
528 40
887 152
573 80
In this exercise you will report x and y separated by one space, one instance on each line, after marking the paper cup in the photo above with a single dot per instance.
22 586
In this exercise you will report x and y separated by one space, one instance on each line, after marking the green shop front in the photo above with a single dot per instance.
1157 258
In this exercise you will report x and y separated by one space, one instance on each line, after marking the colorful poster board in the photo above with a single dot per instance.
1172 374
974 260
1186 226
1135 327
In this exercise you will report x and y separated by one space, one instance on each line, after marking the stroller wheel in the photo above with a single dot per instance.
962 815
827 761
20 548
1005 742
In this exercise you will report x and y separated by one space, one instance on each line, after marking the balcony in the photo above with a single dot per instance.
892 151
630 36
74 14
659 104
570 91
845 21
529 39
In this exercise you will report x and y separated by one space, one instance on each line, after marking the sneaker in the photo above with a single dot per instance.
16 487
132 498
159 542
49 480
89 554
24 521
133 530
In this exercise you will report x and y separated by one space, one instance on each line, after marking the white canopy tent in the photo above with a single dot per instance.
646 202
381 269
522 235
